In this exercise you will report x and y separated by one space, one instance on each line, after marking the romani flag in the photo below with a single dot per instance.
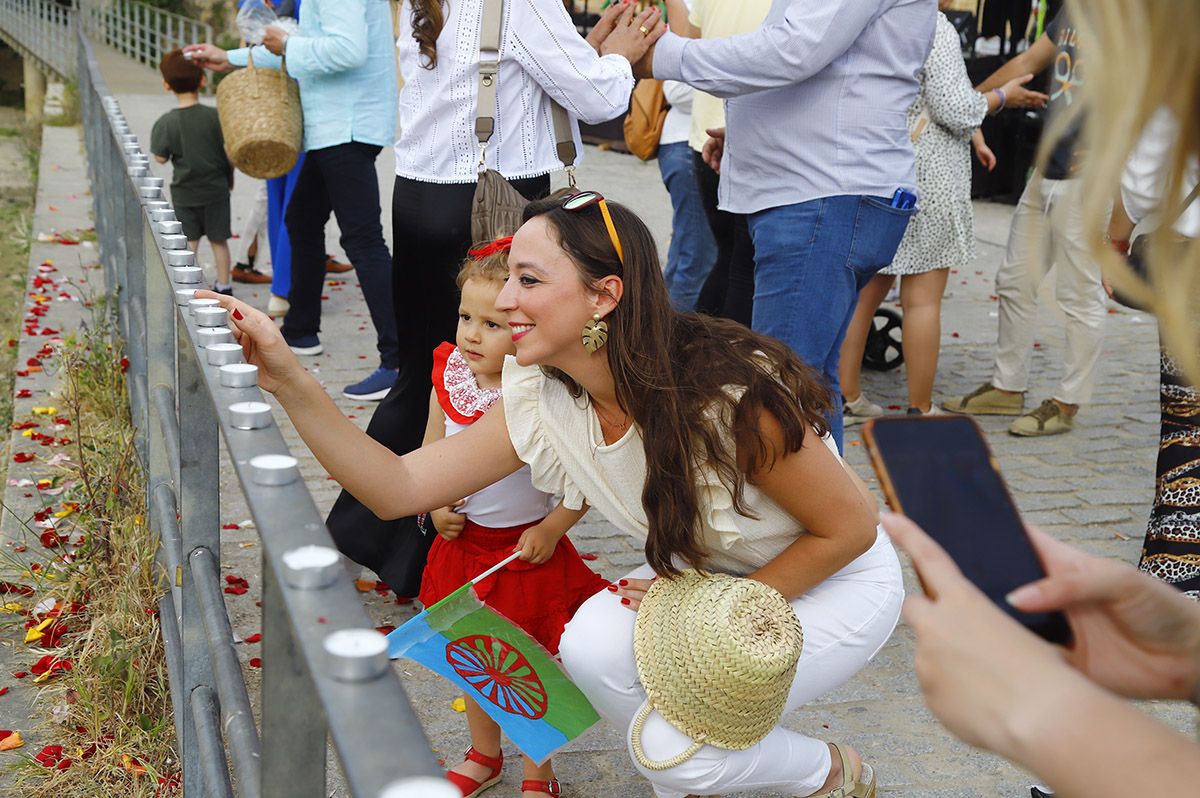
506 671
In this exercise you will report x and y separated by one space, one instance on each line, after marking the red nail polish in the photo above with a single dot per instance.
237 314
624 601
612 588
623 582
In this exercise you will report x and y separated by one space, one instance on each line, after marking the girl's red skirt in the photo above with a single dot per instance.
538 598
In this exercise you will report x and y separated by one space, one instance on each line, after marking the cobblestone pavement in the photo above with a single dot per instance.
1091 487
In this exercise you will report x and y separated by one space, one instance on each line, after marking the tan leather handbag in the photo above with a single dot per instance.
644 122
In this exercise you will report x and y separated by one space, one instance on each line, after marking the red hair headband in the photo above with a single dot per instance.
499 245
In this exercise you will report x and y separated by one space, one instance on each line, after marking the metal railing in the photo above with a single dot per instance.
42 30
140 31
324 667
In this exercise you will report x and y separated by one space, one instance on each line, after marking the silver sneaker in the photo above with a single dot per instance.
859 410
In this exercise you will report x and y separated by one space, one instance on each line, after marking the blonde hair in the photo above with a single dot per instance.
492 267
1146 58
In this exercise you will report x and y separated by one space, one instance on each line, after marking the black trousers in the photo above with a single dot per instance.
342 180
729 290
431 230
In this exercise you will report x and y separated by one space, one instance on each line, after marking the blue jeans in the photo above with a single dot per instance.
810 261
693 250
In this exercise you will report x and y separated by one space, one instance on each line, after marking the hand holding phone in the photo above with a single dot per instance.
938 471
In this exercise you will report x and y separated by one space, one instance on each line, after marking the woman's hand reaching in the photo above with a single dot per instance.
262 343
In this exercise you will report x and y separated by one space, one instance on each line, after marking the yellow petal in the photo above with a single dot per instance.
11 741
11 606
458 705
64 513
33 635
27 433
45 411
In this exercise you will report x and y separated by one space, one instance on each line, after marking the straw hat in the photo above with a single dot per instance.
716 655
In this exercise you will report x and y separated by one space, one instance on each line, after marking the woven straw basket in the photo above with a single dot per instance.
261 120
717 655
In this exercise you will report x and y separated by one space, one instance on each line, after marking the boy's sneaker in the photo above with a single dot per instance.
859 410
374 387
305 345
933 410
1045 419
243 273
987 400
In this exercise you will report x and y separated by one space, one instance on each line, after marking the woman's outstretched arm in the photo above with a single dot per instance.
391 486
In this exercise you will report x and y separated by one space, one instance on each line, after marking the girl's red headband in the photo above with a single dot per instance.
499 245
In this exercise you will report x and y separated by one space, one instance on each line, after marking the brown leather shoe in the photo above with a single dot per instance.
249 274
334 266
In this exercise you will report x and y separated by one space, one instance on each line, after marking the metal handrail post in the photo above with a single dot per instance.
199 505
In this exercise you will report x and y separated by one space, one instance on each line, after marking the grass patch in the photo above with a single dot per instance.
70 116
110 712
16 232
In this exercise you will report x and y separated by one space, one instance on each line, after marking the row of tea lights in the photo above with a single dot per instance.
212 333
353 655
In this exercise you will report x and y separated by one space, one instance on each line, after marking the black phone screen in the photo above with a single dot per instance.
946 481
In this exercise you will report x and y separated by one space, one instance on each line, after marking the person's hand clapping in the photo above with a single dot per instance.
262 343
604 25
208 56
1017 96
1133 634
714 148
633 35
449 524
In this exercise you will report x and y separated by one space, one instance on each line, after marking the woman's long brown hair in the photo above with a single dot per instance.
428 18
692 384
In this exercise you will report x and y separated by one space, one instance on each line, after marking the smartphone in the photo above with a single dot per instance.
939 472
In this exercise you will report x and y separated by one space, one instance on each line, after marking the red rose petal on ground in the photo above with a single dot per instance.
894 407
256 662
254 638
236 590
230 526
385 629
587 555
3 690
18 675
22 457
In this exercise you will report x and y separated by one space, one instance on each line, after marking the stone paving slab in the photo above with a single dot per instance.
1091 487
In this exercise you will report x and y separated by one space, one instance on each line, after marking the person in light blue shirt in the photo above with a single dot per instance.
343 58
816 147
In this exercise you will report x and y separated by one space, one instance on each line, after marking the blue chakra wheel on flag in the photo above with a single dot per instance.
500 673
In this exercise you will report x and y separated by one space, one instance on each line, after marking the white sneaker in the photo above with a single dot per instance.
277 307
859 410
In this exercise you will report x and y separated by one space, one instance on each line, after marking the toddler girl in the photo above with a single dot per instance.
541 591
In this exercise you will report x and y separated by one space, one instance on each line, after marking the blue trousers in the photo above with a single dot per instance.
693 250
810 261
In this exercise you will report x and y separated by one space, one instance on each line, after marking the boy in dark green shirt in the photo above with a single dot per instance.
190 137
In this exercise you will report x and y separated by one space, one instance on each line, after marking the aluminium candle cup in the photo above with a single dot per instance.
128 138
184 295
149 192
154 181
210 317
274 469
250 415
162 215
174 241
170 227
154 205
182 257
137 171
420 787
187 275
356 655
238 375
304 567
211 336
138 159
196 303
222 353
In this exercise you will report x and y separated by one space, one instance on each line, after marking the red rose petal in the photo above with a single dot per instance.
256 662
254 638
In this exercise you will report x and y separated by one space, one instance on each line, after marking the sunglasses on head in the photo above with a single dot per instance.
586 199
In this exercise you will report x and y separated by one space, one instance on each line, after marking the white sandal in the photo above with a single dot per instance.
863 788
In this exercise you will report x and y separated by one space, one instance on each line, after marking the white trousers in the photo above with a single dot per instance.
846 620
255 228
1048 230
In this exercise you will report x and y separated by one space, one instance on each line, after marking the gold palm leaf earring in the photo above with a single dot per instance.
595 334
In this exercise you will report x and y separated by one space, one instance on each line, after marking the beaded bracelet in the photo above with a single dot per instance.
1003 99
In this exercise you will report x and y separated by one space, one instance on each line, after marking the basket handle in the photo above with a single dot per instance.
283 84
253 73
635 740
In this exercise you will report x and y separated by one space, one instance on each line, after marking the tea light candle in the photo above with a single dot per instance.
187 274
154 205
169 226
128 138
139 160
184 295
162 215
181 257
221 353
211 336
149 192
308 567
239 375
154 181
250 415
356 655
131 148
196 304
420 787
137 170
175 240
210 317
274 469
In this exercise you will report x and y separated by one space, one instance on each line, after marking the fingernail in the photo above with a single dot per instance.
625 601
237 314
622 582
612 588
1022 595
